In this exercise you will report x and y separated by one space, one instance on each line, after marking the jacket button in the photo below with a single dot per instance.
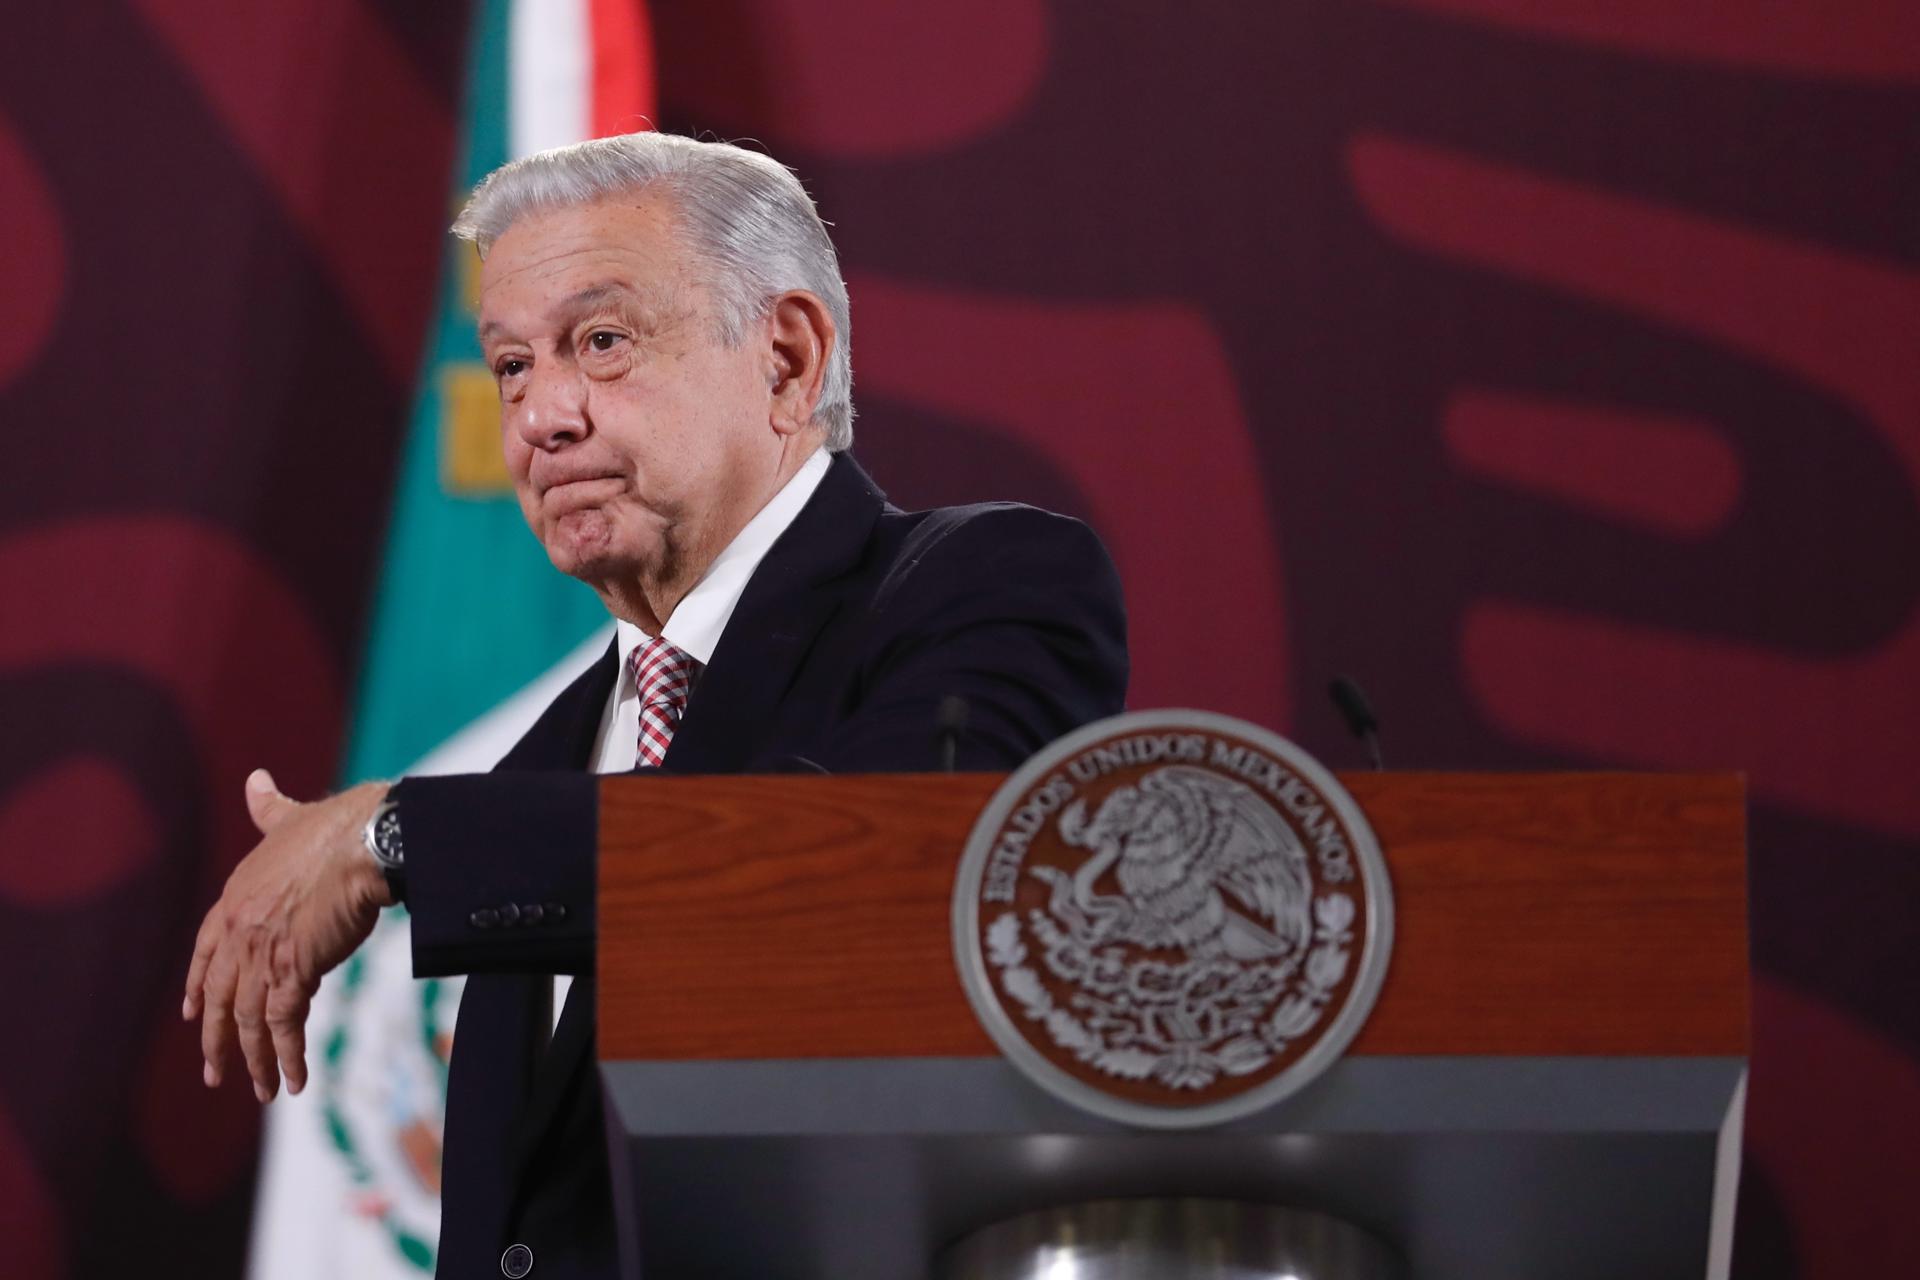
509 914
516 1262
555 913
531 913
484 918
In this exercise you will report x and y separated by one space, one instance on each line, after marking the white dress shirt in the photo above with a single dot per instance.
694 627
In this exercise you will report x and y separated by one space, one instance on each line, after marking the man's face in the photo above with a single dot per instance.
638 443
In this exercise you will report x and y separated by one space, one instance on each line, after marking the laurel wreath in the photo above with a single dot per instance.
1219 1004
417 1251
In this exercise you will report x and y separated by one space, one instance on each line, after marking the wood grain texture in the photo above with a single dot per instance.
804 916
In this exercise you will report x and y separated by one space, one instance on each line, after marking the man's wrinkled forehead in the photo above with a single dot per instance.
548 267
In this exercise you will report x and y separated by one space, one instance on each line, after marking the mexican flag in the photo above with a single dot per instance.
473 634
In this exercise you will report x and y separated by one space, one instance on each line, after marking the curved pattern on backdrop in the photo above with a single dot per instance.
163 600
858 80
1854 39
31 282
1843 323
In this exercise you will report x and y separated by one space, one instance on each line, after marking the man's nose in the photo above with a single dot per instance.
554 412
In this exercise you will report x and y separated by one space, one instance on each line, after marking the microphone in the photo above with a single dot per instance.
951 721
1358 715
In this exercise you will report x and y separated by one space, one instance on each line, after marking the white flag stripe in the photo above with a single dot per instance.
549 75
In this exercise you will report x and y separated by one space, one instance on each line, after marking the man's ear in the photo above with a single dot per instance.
801 336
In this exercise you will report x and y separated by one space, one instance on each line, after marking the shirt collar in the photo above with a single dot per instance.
702 614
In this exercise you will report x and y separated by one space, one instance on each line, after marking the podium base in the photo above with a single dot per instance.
1183 1239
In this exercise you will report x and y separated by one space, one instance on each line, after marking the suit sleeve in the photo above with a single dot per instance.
494 909
1016 612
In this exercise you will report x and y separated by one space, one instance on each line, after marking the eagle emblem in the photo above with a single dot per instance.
1203 864
1178 907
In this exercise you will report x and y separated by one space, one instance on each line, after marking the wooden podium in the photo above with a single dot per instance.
1549 1085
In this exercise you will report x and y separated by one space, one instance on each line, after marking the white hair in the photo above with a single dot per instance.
746 219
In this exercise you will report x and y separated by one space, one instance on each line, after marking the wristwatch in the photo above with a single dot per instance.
382 837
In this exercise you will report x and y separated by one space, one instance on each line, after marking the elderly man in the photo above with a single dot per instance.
669 331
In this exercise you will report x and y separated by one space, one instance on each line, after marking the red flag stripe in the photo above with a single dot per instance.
623 88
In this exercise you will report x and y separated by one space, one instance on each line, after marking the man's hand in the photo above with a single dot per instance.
293 909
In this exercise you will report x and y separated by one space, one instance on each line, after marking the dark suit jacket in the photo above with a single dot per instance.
860 620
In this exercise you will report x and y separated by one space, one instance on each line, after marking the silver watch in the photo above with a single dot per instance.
382 838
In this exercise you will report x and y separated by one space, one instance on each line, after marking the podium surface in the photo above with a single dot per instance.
1549 1083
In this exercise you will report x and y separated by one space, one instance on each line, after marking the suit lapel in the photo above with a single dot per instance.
773 627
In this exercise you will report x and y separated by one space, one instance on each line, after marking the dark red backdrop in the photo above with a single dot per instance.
1547 364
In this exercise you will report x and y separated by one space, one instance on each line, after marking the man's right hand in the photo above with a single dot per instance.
295 907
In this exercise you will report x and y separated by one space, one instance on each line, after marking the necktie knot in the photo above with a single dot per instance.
664 676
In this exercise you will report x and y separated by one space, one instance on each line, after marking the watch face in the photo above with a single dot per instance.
385 841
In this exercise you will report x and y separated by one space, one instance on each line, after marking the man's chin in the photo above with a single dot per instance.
578 542
591 556
589 564
576 551
605 551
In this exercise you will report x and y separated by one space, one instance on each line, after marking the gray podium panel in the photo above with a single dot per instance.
1479 1168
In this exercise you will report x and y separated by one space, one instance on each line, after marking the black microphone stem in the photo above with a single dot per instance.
1354 710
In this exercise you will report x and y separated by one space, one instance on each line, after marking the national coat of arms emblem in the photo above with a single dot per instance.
1172 918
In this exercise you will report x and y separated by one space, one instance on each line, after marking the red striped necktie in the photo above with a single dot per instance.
664 675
